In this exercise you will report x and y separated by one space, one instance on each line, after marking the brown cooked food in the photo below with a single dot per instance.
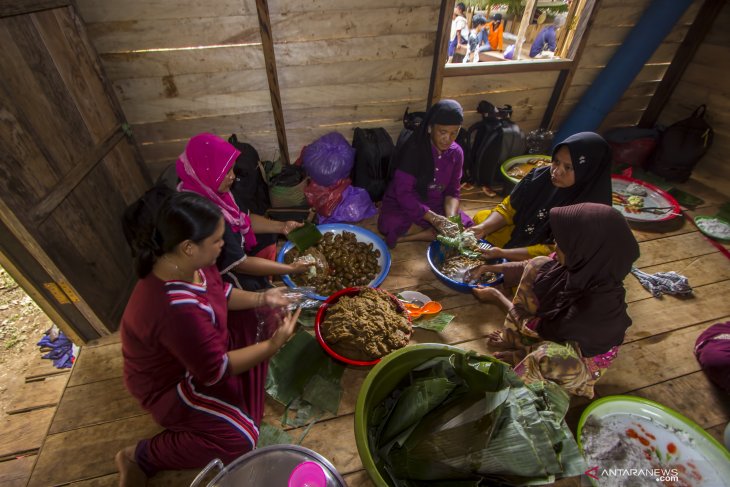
348 263
366 326
456 267
519 171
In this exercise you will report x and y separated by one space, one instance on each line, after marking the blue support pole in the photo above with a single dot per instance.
610 84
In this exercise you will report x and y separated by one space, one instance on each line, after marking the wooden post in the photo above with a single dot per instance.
439 60
702 24
267 42
526 17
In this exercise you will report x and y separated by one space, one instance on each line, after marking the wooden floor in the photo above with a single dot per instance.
96 416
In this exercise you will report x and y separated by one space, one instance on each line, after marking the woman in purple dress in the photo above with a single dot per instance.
424 190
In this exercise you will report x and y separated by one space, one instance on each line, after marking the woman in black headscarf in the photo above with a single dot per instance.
425 186
568 317
580 173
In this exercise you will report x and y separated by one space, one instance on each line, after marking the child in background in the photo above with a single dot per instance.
476 41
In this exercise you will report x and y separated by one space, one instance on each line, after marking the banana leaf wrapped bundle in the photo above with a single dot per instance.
470 420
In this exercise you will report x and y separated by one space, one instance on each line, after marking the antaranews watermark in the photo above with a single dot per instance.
658 474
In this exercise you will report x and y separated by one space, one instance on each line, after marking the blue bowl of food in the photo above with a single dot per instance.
450 267
354 257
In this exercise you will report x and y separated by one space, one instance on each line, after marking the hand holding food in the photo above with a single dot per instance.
445 226
289 226
275 297
475 274
286 328
302 264
491 253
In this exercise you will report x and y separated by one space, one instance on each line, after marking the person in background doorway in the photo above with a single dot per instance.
496 33
568 317
198 374
459 30
546 39
425 188
519 227
476 43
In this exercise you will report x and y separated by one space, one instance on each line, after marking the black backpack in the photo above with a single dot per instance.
374 148
411 122
250 190
681 146
138 218
491 141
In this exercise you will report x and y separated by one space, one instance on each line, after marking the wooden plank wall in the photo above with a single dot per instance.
345 64
612 23
179 70
528 93
705 81
184 67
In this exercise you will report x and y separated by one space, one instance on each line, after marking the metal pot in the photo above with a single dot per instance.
270 466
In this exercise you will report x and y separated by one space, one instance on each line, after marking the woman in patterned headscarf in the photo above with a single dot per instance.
519 227
425 186
568 317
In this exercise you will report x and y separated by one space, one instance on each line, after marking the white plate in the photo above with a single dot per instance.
655 198
675 439
414 296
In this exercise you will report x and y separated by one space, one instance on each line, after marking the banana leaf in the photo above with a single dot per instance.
471 419
437 323
271 435
301 374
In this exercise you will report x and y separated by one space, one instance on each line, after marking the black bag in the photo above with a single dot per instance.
491 141
374 148
138 219
250 189
681 146
411 122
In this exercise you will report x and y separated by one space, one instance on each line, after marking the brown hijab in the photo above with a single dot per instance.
584 300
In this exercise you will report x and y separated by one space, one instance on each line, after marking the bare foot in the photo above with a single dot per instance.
130 475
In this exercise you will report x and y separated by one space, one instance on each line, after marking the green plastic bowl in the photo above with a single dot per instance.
507 165
380 382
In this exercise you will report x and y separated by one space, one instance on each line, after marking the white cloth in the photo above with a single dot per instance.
459 25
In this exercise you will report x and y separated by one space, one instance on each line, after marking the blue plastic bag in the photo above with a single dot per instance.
328 159
356 205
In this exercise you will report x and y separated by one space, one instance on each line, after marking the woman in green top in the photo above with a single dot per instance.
519 227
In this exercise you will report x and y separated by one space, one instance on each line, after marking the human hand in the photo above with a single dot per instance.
487 294
475 273
478 231
289 226
491 253
444 226
286 328
300 267
275 297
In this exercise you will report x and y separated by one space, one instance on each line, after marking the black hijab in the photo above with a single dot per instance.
416 157
535 195
584 300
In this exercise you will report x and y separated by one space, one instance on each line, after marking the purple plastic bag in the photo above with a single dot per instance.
356 205
328 159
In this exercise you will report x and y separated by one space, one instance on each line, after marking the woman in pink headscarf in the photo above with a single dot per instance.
206 168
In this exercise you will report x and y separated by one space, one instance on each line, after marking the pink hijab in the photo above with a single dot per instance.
201 168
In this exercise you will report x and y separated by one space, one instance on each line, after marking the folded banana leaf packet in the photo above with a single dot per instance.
470 420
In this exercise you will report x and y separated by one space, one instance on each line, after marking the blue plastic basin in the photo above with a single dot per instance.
435 256
362 235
